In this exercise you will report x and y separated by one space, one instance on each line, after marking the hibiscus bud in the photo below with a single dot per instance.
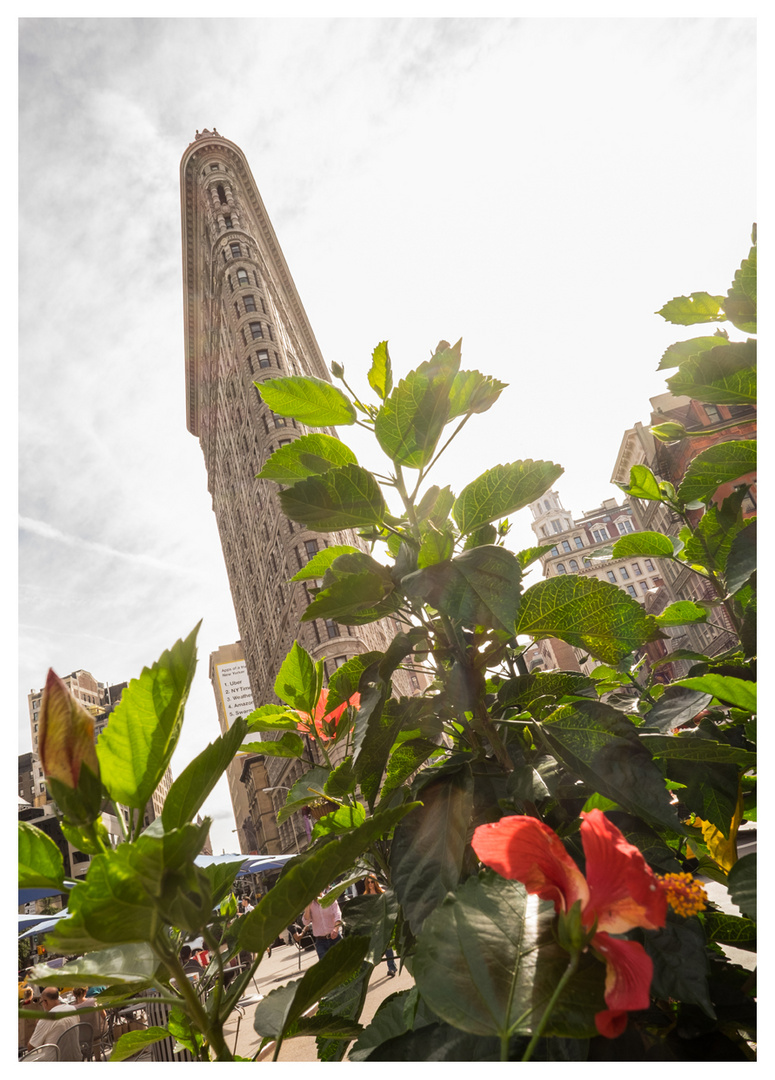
572 935
67 752
337 370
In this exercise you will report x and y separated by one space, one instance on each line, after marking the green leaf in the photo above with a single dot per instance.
729 929
719 464
429 845
680 963
307 876
189 792
342 780
643 485
529 555
91 839
601 746
135 748
435 505
404 761
480 587
693 746
487 963
306 790
309 400
436 546
342 820
308 456
377 724
288 745
283 1006
651 544
738 692
676 706
344 498
699 307
40 860
297 681
714 534
741 559
345 681
741 884
381 373
543 688
725 375
121 965
677 354
681 613
740 304
221 878
356 589
133 1041
411 420
501 491
272 718
589 614
318 564
473 392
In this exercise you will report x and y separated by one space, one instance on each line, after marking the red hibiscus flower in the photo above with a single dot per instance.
618 893
323 724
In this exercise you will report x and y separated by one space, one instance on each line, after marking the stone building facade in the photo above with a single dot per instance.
244 324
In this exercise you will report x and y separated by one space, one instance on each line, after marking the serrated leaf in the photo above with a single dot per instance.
742 885
135 748
588 614
339 821
123 965
404 761
719 464
740 304
412 418
480 587
680 963
529 555
344 498
190 790
288 745
698 307
688 746
504 984
307 399
741 559
473 392
729 929
307 876
601 746
345 681
643 484
732 691
680 613
272 718
319 563
501 491
725 375
652 544
676 706
354 589
308 789
435 505
381 373
377 724
428 847
308 456
710 543
40 860
436 545
133 1041
297 681
677 354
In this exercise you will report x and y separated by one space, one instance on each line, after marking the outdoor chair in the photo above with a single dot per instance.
75 1044
43 1052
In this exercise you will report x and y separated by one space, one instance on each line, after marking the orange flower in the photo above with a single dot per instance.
619 892
323 724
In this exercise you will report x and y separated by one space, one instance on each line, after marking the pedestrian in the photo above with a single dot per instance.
373 888
50 1031
326 923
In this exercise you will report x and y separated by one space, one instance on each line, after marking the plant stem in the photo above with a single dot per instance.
572 965
212 1032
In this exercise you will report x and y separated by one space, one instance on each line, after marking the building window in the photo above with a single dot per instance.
565 546
649 566
543 531
636 569
631 591
578 541
625 526
213 168
546 504
554 551
644 586
311 547
221 195
256 331
227 221
280 421
244 339
236 251
611 576
712 413
231 283
560 568
249 302
338 661
624 574
263 358
574 566
242 277
284 442
600 536
556 526
332 628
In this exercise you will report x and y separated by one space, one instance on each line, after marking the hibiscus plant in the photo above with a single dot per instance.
540 835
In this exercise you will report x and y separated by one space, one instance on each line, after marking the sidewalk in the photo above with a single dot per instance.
282 967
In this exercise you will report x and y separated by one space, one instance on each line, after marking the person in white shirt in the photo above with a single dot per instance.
326 922
49 1031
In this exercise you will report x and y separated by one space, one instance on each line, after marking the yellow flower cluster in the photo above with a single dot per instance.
684 895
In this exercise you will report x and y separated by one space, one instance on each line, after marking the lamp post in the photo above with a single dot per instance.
281 787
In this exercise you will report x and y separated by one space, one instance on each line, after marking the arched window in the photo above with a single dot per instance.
242 277
561 568
546 504
574 566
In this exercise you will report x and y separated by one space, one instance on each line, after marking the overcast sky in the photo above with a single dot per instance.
537 187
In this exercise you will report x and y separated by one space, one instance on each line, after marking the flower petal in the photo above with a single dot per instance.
623 891
628 972
610 1023
524 849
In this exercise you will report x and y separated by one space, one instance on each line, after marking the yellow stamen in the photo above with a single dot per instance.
685 895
